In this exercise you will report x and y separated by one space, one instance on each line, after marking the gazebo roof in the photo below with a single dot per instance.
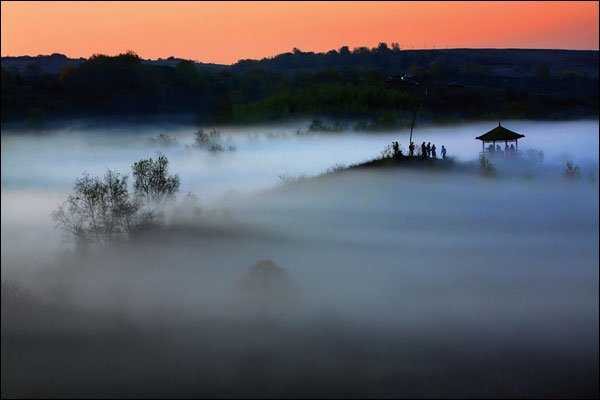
499 134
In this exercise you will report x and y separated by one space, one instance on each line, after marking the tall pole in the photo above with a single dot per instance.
413 122
414 118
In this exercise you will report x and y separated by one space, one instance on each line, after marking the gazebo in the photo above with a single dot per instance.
499 134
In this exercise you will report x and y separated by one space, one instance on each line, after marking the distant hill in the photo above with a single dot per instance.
503 62
172 62
35 65
54 63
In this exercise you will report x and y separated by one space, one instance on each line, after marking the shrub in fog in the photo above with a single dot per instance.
268 287
572 171
486 167
535 156
275 135
188 208
18 306
215 147
287 179
201 138
387 152
264 274
204 139
101 210
318 125
212 141
163 140
229 144
153 184
335 168
14 295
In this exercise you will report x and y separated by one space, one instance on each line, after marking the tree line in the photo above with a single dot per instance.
364 84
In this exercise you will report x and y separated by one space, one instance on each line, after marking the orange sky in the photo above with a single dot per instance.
224 32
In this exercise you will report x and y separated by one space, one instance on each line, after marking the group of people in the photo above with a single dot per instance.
497 150
427 150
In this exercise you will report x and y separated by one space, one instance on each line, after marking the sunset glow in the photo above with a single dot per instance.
224 32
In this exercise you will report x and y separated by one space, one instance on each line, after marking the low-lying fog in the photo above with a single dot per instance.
396 283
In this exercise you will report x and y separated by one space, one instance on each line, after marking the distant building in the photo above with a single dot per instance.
402 79
393 78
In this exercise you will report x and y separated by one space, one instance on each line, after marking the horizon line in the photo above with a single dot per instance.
302 51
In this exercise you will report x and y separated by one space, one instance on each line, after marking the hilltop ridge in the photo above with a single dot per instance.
505 62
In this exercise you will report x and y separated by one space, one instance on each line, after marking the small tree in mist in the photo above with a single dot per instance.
318 125
264 274
205 139
572 171
163 140
153 183
188 209
14 294
101 210
535 156
288 179
212 141
335 168
202 138
18 307
486 167
269 287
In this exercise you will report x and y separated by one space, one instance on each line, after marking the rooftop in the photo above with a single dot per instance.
500 134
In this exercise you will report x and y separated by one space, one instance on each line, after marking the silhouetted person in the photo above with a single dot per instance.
428 149
424 150
411 149
512 149
433 154
396 147
498 149
491 149
443 152
506 150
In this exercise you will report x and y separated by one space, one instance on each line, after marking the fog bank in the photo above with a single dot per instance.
399 283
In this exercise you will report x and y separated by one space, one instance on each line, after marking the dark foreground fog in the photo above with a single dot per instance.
394 284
